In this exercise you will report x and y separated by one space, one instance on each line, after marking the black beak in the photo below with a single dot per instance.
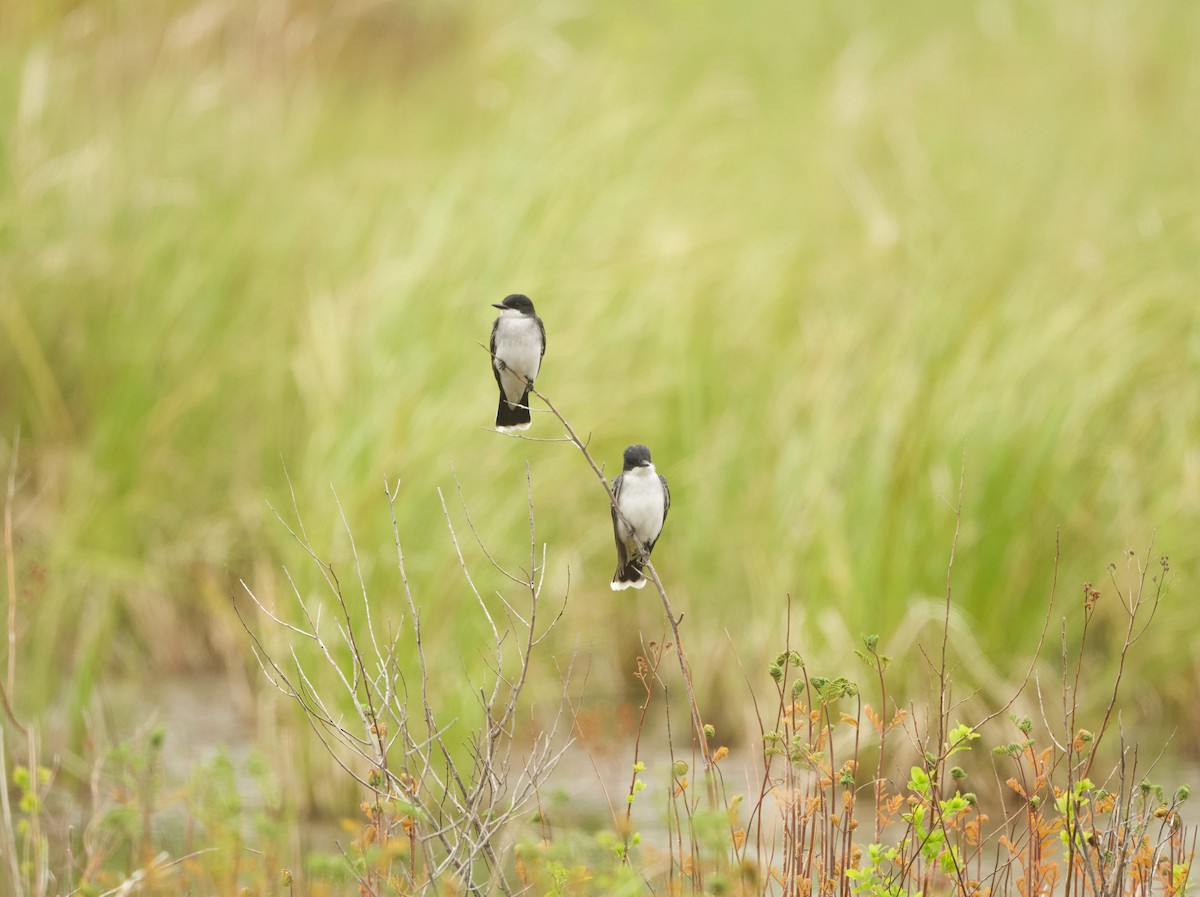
645 463
499 305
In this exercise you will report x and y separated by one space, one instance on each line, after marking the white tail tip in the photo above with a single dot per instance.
618 586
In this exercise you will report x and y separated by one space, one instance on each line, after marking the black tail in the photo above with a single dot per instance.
629 576
513 418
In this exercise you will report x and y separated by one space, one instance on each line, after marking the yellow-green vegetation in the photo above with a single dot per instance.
820 257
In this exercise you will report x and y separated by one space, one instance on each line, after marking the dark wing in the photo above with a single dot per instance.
542 329
492 349
666 507
622 558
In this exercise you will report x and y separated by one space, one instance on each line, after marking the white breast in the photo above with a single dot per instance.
641 502
519 346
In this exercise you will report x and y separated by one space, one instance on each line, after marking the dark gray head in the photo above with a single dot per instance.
636 456
517 302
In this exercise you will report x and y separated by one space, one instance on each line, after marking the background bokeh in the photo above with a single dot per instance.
822 257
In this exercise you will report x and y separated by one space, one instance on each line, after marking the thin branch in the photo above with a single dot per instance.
526 438
582 446
475 532
1041 638
362 585
274 619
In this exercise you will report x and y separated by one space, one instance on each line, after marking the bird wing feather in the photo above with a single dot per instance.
492 349
666 507
622 557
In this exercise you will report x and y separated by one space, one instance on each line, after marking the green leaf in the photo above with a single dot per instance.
919 781
960 738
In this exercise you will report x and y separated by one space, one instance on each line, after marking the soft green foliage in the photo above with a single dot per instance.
837 243
960 739
875 877
811 254
1069 806
929 834
927 840
577 864
829 691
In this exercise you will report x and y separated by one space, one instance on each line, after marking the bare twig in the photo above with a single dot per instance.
1132 606
449 811
582 445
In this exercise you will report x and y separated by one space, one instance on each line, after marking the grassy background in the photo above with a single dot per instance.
807 252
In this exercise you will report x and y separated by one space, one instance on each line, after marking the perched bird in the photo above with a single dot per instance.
644 499
518 344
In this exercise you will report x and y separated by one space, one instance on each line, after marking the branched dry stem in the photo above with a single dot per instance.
447 807
574 439
452 811
714 779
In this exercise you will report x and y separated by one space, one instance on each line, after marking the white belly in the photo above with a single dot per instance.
519 346
641 502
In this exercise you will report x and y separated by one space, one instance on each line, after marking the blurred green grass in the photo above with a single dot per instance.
812 255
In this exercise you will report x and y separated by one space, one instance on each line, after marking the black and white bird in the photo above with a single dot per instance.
644 499
518 344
